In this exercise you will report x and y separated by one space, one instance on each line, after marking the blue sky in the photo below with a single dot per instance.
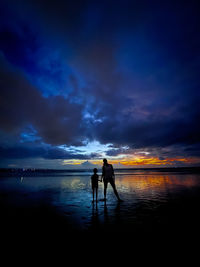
84 80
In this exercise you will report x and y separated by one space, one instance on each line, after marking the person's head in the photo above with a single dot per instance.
105 161
95 170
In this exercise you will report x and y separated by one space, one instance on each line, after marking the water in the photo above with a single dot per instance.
155 201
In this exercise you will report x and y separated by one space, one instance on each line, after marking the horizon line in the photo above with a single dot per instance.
82 169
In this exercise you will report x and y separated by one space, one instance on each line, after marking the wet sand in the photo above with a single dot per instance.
162 206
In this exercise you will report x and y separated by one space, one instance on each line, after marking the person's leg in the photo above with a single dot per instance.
93 193
112 182
105 188
96 194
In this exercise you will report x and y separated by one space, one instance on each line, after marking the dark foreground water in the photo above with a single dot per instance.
157 203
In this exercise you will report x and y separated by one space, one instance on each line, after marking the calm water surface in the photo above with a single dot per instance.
152 199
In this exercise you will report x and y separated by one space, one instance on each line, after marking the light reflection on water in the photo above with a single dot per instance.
71 196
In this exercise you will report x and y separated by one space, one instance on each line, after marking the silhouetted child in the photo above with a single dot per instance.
94 180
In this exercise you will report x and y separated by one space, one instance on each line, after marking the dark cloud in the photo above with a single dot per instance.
163 152
24 152
124 72
56 120
160 131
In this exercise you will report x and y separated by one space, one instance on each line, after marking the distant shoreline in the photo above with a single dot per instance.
162 169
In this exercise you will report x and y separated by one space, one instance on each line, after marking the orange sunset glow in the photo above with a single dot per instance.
139 162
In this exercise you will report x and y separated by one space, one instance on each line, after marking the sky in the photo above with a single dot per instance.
85 80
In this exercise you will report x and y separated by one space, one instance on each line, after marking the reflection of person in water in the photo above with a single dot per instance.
108 176
94 180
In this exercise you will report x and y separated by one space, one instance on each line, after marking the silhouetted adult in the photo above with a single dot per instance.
108 176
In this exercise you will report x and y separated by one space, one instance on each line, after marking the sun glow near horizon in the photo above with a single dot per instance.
137 161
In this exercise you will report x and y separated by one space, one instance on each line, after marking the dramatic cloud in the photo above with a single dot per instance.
122 73
55 119
22 152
